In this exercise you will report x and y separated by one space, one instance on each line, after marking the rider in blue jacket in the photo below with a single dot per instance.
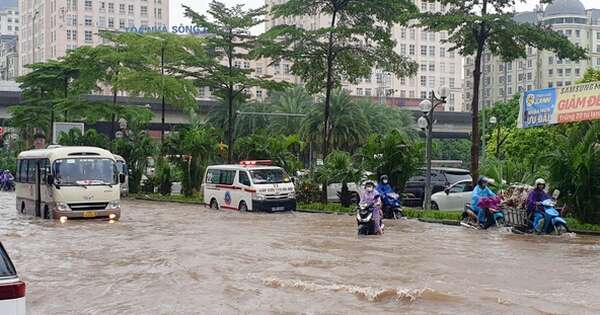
480 191
384 187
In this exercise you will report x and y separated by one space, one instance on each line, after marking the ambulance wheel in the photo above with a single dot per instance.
243 207
214 205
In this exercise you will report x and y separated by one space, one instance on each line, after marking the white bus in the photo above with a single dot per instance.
122 169
248 186
68 182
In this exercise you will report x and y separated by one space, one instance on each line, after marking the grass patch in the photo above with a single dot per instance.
438 215
195 199
328 207
574 224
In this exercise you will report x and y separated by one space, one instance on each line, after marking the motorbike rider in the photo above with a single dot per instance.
384 188
6 180
535 211
371 196
481 190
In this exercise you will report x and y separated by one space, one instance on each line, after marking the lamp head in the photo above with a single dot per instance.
443 92
425 106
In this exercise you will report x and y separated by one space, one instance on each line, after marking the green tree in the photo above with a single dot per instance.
229 45
193 147
506 114
452 149
90 138
393 154
349 127
282 150
356 40
339 168
479 25
575 169
295 101
135 148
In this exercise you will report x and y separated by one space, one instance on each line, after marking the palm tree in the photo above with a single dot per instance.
575 169
383 119
338 168
294 100
349 126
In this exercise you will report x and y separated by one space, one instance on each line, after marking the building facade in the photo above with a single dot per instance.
9 18
50 28
9 59
438 66
500 80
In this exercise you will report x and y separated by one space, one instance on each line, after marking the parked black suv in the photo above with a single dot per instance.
441 178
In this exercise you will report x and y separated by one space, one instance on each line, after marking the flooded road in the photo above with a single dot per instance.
164 258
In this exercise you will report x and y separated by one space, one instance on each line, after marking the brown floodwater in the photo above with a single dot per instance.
164 258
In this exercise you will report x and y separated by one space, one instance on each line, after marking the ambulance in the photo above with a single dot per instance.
249 186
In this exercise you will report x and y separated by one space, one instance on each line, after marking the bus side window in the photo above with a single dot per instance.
244 179
31 167
18 172
44 170
23 171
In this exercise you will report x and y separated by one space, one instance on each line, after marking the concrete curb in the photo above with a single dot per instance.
171 201
438 221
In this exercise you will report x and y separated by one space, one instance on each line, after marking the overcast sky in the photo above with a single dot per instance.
201 6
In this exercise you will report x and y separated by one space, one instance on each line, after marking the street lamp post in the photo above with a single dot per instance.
426 122
162 73
494 121
35 15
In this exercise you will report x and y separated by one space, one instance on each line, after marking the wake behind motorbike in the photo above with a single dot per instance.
392 208
364 219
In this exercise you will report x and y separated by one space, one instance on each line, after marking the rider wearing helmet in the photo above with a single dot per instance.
480 191
371 196
536 196
384 187
534 204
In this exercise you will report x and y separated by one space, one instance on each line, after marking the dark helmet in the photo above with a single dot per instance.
369 183
383 177
482 180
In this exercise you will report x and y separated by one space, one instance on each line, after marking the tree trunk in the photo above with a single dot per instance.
328 88
475 133
230 129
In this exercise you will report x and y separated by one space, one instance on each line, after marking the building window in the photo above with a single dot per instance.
577 33
359 92
442 52
111 22
550 72
144 10
432 51
403 49
423 50
88 5
88 36
88 21
550 60
121 23
121 8
577 72
71 34
367 92
71 20
411 50
423 94
432 67
559 72
423 80
423 67
130 9
111 7
452 82
431 81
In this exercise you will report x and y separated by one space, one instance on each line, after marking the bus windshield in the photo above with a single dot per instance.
269 176
85 172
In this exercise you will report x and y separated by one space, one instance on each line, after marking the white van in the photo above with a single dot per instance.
249 186
68 182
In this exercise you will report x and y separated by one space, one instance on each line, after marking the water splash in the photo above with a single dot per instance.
366 293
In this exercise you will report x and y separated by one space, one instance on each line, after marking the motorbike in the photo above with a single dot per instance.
7 185
496 214
391 206
552 222
364 219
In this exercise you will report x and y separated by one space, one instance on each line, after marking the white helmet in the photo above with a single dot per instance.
540 181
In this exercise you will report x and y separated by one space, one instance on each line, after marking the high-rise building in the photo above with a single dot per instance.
9 18
50 28
501 80
438 66
9 59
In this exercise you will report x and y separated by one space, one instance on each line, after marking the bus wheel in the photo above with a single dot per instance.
46 212
243 206
214 205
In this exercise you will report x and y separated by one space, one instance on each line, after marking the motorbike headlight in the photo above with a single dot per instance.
116 204
62 206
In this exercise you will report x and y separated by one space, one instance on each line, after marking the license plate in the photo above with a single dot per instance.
278 208
89 214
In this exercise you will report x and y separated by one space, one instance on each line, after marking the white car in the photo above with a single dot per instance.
12 290
454 197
